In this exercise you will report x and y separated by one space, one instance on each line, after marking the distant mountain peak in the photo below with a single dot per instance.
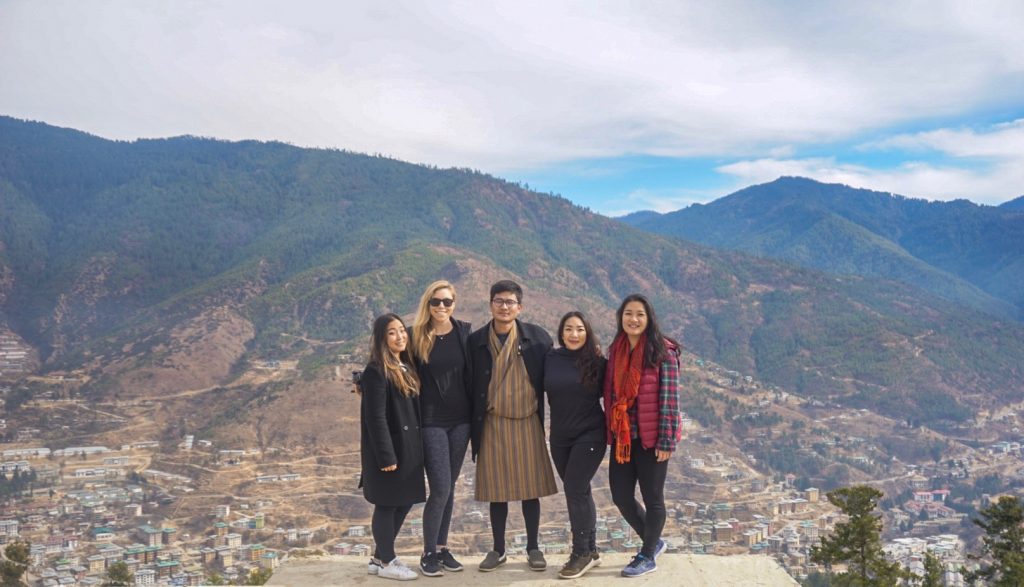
958 250
639 217
1014 204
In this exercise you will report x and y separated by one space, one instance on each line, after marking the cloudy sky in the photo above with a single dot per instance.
618 106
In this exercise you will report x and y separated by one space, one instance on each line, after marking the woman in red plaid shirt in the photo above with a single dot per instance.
641 400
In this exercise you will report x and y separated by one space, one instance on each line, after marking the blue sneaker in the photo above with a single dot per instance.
640 565
660 548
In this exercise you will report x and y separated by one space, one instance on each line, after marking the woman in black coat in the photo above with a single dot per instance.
391 445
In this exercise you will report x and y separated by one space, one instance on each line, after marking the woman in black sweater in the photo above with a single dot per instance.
573 377
439 350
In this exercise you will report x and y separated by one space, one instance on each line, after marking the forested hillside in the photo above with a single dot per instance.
970 254
162 266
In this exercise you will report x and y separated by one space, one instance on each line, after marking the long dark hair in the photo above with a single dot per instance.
655 351
589 359
396 368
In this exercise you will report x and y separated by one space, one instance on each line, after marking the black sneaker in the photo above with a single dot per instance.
448 561
535 560
430 565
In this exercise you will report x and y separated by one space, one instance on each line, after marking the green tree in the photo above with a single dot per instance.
259 576
16 564
857 542
118 575
933 571
1003 523
217 579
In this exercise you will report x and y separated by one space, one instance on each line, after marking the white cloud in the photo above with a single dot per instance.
991 185
508 86
1002 141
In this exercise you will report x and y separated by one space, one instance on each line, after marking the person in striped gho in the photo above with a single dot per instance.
512 462
641 399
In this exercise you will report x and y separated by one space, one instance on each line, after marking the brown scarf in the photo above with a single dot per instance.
627 367
506 393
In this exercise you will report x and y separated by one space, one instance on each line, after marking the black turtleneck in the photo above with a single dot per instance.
576 414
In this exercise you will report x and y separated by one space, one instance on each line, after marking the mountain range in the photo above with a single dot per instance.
172 267
967 253
1014 204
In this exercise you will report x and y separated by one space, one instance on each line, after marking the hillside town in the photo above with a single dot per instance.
81 519
190 512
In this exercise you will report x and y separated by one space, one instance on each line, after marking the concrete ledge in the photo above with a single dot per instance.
673 569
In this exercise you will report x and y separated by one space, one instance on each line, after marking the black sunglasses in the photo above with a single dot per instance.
438 301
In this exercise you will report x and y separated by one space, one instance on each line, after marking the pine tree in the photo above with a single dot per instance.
1003 522
14 567
933 571
857 542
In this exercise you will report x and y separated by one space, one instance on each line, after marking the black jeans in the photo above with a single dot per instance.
644 469
387 521
576 465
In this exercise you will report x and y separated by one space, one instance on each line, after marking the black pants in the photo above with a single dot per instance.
531 515
444 450
576 465
387 521
644 469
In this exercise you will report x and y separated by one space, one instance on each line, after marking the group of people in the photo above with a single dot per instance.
437 388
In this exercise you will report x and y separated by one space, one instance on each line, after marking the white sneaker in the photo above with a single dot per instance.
373 567
398 571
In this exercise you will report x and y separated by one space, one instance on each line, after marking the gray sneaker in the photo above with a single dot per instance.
492 561
536 560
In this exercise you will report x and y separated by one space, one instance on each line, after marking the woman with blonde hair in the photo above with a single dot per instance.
391 446
439 351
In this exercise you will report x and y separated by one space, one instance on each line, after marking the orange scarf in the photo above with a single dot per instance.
627 366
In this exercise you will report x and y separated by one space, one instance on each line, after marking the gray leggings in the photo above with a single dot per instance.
444 449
